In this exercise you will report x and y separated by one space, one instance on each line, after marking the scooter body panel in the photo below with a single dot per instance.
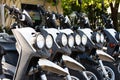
25 37
104 56
51 67
73 64
66 31
87 31
112 32
54 33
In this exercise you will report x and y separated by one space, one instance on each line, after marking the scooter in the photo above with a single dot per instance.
78 48
32 52
112 47
112 41
60 50
70 33
99 40
94 50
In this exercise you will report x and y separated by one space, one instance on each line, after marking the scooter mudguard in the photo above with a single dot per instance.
51 67
72 64
104 56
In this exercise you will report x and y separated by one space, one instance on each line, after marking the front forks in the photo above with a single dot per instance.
43 76
84 73
103 68
68 76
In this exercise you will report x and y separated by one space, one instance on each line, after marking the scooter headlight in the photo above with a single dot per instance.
102 38
71 41
77 39
49 41
64 40
96 37
40 41
84 39
61 39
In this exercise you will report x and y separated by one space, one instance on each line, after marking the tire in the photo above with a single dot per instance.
54 77
118 67
94 71
90 75
112 70
76 74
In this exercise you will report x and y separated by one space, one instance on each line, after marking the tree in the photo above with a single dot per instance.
94 8
114 12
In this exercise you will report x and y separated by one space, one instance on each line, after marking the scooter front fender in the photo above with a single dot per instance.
72 64
104 56
51 67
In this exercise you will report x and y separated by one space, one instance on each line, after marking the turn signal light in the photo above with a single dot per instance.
112 45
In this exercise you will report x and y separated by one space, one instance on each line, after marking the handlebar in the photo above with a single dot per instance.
19 16
104 16
107 20
12 10
79 15
41 8
7 7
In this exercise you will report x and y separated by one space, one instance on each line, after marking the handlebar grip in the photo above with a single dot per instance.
7 7
12 10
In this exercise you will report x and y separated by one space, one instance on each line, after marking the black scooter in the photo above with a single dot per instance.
112 41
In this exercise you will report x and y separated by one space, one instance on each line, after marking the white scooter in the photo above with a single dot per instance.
32 52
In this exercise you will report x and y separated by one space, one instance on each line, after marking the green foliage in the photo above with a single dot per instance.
93 8
70 5
48 0
53 4
87 5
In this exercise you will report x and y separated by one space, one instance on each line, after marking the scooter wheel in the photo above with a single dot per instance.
94 71
118 67
76 75
112 71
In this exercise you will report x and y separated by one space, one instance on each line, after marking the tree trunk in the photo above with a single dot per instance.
114 14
